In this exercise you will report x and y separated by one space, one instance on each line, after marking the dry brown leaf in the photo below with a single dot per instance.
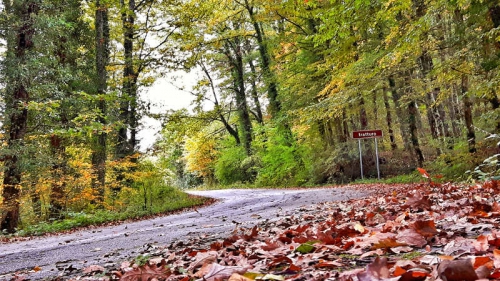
483 272
375 271
387 244
411 237
217 272
146 273
457 270
237 277
425 228
93 269
481 243
202 259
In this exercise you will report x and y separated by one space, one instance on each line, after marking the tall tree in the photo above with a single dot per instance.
19 43
99 154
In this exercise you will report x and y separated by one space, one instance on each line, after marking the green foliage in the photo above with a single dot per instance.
284 161
489 169
228 166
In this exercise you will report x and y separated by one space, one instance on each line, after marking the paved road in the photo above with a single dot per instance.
110 245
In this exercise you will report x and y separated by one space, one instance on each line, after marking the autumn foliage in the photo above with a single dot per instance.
400 232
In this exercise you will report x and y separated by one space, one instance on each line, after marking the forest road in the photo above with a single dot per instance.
61 255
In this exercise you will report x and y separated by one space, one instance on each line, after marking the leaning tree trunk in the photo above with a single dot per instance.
255 94
241 101
232 131
99 153
272 88
16 108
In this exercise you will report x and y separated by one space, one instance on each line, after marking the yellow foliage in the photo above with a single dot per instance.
200 154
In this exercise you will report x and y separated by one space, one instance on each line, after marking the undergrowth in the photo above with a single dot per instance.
173 201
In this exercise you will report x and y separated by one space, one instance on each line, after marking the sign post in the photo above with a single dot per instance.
367 134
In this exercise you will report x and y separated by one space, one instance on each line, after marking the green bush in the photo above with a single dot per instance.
284 161
228 168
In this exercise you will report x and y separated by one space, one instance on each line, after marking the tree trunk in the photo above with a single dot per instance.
255 95
241 102
388 118
269 79
363 118
99 153
412 120
57 202
233 132
234 54
454 113
396 96
17 110
495 104
469 125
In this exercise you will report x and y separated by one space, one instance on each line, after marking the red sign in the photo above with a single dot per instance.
367 134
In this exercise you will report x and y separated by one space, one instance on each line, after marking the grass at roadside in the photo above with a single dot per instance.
173 201
414 177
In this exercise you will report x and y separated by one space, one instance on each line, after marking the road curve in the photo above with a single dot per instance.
57 255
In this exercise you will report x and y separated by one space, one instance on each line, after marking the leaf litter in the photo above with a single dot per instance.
411 232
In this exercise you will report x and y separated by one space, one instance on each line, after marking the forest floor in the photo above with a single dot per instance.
405 232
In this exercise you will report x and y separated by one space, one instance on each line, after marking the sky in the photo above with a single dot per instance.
163 96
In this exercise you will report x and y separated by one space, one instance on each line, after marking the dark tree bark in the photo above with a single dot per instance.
255 94
363 118
218 108
412 121
17 112
396 96
128 103
241 102
57 195
272 88
469 125
99 153
388 118
234 53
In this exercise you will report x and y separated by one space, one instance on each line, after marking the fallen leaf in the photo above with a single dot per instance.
237 277
307 247
425 228
146 273
215 272
273 277
387 244
93 269
481 243
457 270
411 237
37 268
375 271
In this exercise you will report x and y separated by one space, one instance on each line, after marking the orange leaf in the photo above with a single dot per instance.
480 261
387 244
398 271
424 173
496 254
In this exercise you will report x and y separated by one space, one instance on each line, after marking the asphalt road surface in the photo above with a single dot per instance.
61 254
